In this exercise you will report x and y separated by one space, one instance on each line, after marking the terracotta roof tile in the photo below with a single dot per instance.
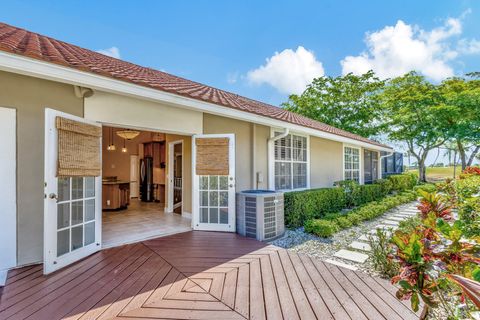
30 44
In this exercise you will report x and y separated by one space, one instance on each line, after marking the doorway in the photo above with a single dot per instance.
175 176
135 191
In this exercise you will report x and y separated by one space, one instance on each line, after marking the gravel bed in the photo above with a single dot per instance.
298 240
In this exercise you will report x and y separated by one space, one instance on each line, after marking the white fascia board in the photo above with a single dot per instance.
45 70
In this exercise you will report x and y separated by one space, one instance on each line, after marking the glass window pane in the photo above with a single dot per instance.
77 212
77 237
204 198
224 215
204 183
213 215
63 189
213 183
89 187
223 183
63 215
89 233
89 210
223 198
77 187
213 199
63 242
203 215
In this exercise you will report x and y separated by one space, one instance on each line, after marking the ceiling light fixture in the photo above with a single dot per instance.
111 146
128 134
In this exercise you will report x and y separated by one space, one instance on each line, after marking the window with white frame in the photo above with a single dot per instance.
352 163
291 162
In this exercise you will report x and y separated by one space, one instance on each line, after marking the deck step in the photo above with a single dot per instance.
341 264
351 255
360 246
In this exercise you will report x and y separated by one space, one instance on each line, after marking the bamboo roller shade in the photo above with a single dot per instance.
212 156
78 149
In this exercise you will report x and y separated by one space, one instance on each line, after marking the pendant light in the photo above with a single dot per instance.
124 149
111 145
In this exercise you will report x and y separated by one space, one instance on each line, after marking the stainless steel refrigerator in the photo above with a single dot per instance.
146 179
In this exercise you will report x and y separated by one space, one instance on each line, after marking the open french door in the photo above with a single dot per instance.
72 206
214 182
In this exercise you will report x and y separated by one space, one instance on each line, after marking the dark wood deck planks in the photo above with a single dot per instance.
198 275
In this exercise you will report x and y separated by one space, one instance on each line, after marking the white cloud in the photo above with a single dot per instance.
232 77
113 52
288 71
471 46
396 50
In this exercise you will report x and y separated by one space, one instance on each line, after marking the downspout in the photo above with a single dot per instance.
390 153
254 155
271 155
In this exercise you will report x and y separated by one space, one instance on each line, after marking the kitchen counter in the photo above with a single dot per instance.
115 195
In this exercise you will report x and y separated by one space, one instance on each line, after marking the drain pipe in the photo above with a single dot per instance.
82 92
271 156
390 153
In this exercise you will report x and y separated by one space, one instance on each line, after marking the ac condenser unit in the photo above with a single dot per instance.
260 214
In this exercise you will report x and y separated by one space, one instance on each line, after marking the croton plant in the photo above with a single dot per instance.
434 255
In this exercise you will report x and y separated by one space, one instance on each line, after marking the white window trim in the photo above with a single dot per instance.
360 161
271 159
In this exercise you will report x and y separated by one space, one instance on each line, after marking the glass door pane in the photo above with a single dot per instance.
213 195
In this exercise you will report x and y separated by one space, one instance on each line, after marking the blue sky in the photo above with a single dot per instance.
267 49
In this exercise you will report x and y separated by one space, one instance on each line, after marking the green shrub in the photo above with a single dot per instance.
343 222
366 193
310 204
427 187
379 254
321 228
403 182
409 225
385 185
333 222
350 187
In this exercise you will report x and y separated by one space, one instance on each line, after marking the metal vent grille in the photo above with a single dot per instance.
251 217
269 220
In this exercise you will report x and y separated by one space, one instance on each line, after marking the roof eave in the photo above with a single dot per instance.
40 69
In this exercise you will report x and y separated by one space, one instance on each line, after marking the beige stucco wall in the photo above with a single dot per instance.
30 96
131 112
244 160
326 162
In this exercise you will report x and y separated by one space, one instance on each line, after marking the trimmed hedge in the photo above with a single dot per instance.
427 187
403 182
366 193
310 204
333 222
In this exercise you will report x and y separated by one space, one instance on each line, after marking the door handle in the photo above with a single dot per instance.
53 196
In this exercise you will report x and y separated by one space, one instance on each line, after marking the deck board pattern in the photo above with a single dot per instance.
199 275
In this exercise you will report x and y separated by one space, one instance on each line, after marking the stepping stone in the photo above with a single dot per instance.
3 277
360 246
366 238
404 215
341 264
410 210
390 222
395 218
388 230
351 255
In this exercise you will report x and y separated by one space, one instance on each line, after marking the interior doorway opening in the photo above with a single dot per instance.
143 185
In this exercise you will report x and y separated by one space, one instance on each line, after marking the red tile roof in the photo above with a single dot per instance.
30 44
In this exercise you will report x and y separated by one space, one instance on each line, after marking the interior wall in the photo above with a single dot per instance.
117 163
30 96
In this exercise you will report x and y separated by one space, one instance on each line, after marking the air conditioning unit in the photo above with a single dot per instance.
260 214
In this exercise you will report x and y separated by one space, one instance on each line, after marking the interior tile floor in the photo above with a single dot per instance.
141 221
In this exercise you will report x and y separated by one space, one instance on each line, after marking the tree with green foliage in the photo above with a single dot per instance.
414 114
349 102
461 98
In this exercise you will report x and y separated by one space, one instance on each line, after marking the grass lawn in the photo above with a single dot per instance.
440 173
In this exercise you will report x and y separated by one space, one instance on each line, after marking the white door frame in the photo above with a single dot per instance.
171 150
8 190
230 227
51 261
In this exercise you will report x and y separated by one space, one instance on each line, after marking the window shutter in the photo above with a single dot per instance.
78 149
212 156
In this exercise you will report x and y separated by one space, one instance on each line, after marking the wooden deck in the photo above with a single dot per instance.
199 275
